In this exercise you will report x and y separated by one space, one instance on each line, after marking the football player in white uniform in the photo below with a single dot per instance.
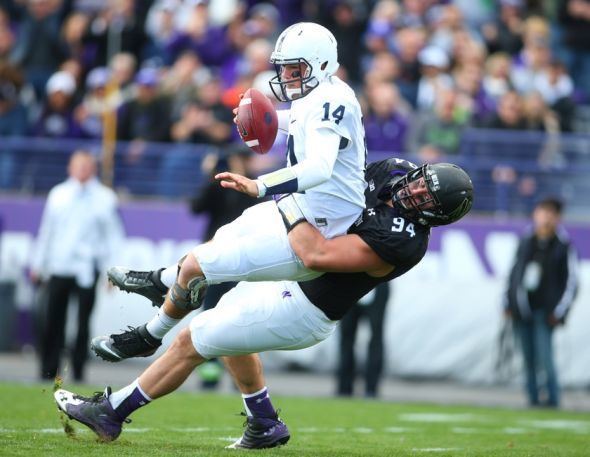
391 237
322 184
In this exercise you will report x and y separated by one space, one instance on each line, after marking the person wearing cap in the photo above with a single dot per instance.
434 64
97 100
146 116
57 115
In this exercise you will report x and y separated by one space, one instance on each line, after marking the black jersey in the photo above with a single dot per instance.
396 240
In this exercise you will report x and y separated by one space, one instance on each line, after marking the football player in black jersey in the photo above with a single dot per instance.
402 203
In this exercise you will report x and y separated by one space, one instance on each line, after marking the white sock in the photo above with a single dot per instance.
119 396
161 324
168 276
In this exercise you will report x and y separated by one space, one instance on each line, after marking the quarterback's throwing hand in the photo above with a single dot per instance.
238 182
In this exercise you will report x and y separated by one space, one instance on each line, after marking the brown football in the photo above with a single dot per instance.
257 121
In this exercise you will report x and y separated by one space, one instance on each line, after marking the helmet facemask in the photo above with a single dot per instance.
418 208
448 198
305 81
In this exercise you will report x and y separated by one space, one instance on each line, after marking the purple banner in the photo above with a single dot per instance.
160 220
153 220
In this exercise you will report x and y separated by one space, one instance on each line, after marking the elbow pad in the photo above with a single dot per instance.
290 212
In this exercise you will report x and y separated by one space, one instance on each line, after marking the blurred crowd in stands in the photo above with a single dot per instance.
172 70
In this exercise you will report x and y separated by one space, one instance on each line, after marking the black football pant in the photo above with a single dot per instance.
375 313
60 288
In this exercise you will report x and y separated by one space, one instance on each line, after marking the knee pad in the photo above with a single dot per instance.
180 264
191 298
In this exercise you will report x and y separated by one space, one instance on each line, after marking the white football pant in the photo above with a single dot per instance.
260 316
255 247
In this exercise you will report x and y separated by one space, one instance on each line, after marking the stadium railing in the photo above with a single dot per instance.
510 169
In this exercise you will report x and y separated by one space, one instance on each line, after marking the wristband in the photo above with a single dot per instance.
261 188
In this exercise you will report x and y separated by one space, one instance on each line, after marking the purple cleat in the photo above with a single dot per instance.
95 412
262 433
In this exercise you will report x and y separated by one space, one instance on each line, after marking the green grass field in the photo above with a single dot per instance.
185 424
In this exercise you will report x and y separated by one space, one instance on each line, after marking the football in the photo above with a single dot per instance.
257 121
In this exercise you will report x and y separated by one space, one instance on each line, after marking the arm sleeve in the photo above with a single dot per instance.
39 260
571 285
322 145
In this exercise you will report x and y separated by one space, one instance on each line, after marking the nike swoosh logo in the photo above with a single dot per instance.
103 345
293 121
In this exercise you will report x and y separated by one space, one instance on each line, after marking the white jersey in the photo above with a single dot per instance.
326 181
332 105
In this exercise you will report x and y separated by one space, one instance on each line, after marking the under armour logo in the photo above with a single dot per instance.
370 211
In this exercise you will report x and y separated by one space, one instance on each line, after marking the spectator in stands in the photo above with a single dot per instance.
441 128
80 232
160 27
347 21
386 119
97 101
73 34
471 94
444 24
57 114
535 56
434 64
7 36
382 67
239 76
180 83
505 35
122 66
509 113
381 25
408 42
208 41
537 115
146 117
37 48
496 81
574 18
372 306
541 289
123 18
557 89
13 121
263 22
413 13
205 120
467 50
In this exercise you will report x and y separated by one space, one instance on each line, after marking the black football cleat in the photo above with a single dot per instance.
146 283
262 433
135 342
95 412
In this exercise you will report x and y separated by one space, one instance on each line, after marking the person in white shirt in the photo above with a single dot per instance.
323 184
80 230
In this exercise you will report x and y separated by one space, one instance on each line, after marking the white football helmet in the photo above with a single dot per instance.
303 43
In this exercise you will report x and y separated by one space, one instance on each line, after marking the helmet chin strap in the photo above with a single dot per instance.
295 93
